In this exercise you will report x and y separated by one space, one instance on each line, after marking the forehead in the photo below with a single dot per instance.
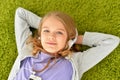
53 22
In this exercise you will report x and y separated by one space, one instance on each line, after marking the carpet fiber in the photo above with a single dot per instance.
89 15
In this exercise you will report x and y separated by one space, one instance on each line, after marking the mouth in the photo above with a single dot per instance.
51 43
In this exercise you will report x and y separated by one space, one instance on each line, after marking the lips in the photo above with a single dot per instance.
50 43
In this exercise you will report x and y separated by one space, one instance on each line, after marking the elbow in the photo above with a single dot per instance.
113 42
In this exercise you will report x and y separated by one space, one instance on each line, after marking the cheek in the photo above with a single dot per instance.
62 42
42 38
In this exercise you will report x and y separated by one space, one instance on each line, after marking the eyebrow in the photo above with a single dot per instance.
61 30
57 29
44 27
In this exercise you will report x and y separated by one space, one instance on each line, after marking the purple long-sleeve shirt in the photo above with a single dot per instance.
62 70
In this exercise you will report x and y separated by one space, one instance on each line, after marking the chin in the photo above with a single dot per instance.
51 52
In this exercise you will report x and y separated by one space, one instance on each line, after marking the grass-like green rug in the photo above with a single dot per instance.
90 15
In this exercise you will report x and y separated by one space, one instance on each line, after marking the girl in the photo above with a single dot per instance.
48 55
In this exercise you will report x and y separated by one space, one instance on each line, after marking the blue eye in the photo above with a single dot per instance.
59 32
46 31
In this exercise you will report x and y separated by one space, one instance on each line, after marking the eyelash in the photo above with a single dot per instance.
46 31
58 32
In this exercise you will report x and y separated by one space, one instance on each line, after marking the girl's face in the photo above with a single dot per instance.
53 35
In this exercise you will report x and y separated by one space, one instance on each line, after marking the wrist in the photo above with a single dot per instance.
79 39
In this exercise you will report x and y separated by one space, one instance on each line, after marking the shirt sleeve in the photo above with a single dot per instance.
24 19
101 45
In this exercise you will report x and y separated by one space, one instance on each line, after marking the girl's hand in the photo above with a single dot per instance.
79 39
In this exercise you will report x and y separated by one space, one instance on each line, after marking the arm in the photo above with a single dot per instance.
79 39
101 46
24 19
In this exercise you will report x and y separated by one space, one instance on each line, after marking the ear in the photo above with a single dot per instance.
72 41
39 38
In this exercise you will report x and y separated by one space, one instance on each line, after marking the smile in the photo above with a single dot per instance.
50 43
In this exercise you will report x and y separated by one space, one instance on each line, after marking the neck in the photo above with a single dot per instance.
55 55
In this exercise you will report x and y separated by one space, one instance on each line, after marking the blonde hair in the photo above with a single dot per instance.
69 25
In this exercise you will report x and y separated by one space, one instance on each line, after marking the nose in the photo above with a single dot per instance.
51 36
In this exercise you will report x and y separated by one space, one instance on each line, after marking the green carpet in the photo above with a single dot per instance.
90 15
